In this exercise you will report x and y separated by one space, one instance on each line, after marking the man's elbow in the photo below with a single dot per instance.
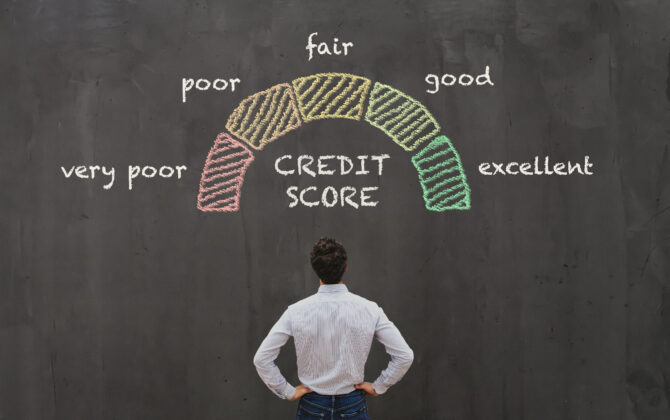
410 356
407 358
258 360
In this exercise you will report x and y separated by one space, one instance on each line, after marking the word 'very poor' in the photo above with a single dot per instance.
134 172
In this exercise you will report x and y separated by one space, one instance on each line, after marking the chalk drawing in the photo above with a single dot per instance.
331 196
401 117
331 95
442 177
204 84
263 117
222 178
323 49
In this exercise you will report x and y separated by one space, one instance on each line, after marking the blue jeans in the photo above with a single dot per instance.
349 406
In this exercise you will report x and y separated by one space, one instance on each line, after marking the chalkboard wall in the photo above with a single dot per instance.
547 299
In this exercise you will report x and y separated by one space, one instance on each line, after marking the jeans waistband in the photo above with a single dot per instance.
334 403
337 396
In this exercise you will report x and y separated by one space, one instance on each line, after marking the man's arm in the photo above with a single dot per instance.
396 346
264 360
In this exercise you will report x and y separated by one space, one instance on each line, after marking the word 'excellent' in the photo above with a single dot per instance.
536 168
109 173
331 165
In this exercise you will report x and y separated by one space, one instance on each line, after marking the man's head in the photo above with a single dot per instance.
329 260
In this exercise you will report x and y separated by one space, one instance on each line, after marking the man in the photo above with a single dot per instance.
333 331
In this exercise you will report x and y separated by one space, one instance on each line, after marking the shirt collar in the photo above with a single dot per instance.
333 288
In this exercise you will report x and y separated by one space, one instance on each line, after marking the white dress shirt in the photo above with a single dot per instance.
333 331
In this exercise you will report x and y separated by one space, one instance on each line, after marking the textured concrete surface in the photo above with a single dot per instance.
549 299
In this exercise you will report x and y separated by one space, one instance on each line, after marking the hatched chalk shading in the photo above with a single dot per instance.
331 95
222 178
264 116
401 117
442 176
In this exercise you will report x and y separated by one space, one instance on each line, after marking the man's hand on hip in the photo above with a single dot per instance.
368 388
300 390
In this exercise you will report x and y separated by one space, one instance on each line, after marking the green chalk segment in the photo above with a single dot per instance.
442 176
401 117
267 115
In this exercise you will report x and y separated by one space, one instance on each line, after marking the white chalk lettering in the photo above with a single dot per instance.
326 165
380 162
187 85
315 166
538 166
322 48
434 81
89 172
331 196
281 171
148 172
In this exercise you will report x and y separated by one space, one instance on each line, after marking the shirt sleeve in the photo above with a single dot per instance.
267 353
396 346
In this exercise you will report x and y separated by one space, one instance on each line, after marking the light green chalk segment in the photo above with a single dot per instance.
400 117
442 176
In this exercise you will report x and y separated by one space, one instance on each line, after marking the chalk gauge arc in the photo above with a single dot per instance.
267 115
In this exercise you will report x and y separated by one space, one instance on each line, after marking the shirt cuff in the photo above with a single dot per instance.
379 387
288 392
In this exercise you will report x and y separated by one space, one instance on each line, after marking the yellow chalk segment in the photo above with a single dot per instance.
331 95
264 116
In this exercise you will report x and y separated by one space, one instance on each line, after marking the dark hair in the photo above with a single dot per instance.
329 259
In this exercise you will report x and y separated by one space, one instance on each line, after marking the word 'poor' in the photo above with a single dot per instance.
206 84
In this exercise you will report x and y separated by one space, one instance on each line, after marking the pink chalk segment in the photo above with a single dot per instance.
267 115
222 178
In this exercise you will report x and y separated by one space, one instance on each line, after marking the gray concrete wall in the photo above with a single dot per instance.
547 300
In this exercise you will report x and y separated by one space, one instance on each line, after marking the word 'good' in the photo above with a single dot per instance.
322 47
331 197
464 80
535 168
325 165
206 84
134 171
